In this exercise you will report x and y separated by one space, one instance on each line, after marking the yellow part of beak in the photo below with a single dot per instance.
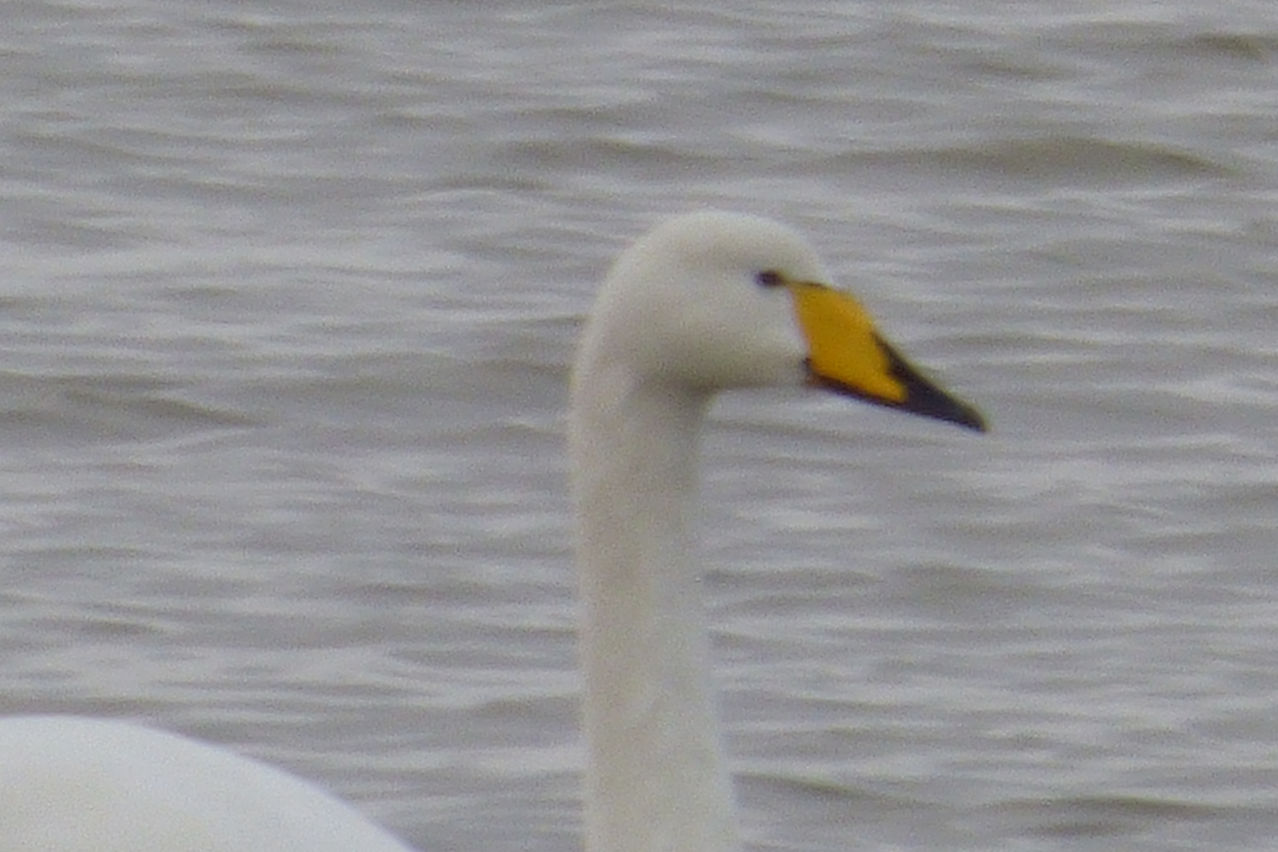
843 345
847 355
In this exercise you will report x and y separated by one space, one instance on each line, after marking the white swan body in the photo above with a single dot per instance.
70 784
705 302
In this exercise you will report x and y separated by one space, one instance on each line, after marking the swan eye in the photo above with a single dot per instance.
769 278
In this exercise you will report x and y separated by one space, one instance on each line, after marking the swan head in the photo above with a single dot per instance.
710 301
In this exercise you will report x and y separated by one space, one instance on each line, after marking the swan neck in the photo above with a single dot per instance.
656 776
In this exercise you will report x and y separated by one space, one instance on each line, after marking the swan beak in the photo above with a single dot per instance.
847 355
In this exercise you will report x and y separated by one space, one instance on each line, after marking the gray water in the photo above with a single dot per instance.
287 296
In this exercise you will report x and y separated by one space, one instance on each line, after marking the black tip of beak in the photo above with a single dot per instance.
927 400
922 396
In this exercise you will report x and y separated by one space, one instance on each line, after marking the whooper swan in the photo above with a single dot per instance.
705 302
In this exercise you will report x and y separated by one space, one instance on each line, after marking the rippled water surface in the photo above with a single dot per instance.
288 293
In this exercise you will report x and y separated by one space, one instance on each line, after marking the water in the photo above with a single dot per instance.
289 290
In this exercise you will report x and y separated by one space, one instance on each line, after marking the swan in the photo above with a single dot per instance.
74 784
704 302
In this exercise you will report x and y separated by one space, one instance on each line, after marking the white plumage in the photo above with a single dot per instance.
70 784
705 302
